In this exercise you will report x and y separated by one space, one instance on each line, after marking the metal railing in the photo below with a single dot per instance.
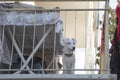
24 63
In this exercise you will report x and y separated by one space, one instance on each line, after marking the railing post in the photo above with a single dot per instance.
107 58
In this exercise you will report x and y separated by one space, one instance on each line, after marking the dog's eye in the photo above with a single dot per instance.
68 42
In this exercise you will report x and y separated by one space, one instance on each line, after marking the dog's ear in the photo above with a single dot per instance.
74 40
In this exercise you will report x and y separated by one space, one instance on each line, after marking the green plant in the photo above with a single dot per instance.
97 62
112 26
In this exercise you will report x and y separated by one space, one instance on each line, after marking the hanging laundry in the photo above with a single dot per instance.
118 25
102 39
115 54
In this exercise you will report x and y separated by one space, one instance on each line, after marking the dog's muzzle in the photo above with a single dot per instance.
73 48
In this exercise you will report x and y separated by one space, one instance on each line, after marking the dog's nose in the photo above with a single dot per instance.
73 48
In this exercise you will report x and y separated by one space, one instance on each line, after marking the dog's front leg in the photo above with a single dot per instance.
64 69
73 67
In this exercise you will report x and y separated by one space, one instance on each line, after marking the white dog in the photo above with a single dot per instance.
68 55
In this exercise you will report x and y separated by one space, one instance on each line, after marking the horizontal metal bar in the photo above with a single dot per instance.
37 9
54 70
58 77
54 0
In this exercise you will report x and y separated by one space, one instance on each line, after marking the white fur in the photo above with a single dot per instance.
68 61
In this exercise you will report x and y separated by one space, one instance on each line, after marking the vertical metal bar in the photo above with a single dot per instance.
54 49
12 41
2 37
54 54
96 42
43 53
106 37
85 39
3 34
23 39
75 27
34 33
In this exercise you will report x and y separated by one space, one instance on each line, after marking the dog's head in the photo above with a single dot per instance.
69 43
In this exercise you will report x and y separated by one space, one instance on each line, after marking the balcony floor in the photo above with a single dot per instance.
58 77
